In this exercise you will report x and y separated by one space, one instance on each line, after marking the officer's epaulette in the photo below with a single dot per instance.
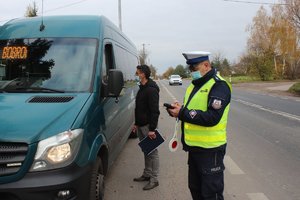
216 78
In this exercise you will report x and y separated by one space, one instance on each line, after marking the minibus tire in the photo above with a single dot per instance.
97 181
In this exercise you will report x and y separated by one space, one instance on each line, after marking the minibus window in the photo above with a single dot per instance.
109 56
108 61
47 64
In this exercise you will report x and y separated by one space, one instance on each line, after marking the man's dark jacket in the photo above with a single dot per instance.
147 105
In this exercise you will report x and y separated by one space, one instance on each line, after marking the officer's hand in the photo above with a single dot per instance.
175 111
168 110
176 103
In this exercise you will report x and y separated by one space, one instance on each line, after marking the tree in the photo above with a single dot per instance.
284 36
293 12
225 68
259 39
217 60
168 72
221 64
180 71
153 71
187 71
244 65
143 55
293 15
259 46
31 10
273 41
264 65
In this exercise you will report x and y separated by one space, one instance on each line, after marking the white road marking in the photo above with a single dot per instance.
232 167
285 98
257 196
277 112
275 96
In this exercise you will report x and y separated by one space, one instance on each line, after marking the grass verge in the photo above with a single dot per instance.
295 89
241 79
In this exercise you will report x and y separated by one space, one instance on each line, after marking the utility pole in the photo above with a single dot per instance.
144 54
120 15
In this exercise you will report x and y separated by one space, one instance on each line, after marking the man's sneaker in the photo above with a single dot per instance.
150 185
141 179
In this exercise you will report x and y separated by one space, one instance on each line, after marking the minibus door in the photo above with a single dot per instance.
110 105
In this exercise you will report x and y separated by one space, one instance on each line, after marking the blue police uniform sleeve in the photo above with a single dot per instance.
218 99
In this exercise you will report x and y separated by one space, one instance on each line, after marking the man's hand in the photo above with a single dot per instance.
134 129
175 111
151 135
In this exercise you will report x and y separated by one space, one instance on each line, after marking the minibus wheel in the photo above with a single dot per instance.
97 181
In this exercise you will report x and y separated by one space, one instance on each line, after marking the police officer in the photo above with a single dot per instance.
204 118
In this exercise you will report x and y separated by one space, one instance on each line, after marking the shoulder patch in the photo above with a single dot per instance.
216 104
193 113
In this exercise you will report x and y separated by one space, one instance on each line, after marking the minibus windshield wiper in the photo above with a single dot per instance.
40 89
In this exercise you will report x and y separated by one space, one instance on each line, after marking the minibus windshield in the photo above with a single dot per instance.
47 64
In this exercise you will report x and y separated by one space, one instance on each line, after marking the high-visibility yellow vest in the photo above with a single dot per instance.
202 136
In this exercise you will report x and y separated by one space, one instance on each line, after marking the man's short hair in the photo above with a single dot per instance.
145 69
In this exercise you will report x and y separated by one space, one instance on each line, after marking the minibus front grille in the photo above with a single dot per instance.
12 156
46 99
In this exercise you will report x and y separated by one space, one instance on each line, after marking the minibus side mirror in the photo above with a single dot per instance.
114 85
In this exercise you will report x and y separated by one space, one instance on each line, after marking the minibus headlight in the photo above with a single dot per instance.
57 151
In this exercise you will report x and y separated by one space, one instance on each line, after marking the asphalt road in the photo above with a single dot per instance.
262 160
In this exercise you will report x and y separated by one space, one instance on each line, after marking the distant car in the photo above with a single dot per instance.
175 79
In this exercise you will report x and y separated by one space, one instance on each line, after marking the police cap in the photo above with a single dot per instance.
194 57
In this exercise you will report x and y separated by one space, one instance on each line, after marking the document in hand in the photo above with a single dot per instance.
148 145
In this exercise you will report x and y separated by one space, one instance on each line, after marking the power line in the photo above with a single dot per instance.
255 2
57 8
65 6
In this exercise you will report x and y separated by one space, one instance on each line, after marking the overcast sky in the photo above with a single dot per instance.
167 27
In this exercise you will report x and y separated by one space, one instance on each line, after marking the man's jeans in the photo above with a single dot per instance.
152 160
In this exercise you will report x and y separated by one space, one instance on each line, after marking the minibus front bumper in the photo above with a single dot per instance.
69 183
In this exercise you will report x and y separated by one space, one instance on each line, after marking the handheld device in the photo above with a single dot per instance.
168 106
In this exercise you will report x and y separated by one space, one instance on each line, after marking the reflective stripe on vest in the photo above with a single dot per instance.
201 136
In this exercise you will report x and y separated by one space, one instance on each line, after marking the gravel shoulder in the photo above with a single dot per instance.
279 88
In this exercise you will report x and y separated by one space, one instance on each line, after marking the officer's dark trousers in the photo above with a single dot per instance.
206 175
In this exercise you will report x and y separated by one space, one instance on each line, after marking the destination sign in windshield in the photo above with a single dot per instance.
14 52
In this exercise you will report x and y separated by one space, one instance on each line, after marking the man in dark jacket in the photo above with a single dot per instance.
146 119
